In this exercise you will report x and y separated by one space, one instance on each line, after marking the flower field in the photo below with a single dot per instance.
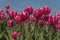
30 24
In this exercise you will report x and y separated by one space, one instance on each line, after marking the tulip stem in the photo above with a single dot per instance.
22 30
35 29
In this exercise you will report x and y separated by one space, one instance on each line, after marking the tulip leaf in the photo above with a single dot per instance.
2 34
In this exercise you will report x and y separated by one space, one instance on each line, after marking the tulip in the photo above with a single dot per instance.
41 22
1 10
12 14
52 19
15 34
29 9
55 19
32 19
38 12
46 10
8 11
24 16
18 19
42 17
7 6
46 17
57 15
57 26
2 15
19 14
9 23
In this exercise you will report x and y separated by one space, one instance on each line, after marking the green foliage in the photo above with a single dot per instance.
32 32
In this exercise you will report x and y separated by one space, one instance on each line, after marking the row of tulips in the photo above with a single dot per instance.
29 24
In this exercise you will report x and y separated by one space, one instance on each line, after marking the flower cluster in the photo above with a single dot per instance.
40 17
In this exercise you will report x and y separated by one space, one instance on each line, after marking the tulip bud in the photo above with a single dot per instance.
12 14
18 19
57 26
1 10
38 12
42 17
2 15
29 9
41 22
8 11
15 34
9 23
32 19
24 16
55 19
7 6
46 10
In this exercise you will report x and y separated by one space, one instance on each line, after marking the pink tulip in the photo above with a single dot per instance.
1 10
41 22
12 14
46 10
9 23
46 17
7 11
32 19
29 9
38 12
15 34
2 15
55 19
7 6
52 19
24 16
42 17
18 19
57 26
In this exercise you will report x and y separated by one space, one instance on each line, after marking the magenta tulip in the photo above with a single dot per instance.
7 6
9 23
32 19
38 12
24 16
29 9
41 22
2 15
57 26
15 34
46 10
12 14
18 19
1 10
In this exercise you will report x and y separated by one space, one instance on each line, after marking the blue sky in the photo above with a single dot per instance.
19 5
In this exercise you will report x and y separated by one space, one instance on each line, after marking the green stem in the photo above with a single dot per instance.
41 33
22 31
35 29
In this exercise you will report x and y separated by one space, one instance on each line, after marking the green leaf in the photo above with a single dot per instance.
2 34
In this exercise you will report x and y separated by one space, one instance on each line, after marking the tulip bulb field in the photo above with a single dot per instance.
30 24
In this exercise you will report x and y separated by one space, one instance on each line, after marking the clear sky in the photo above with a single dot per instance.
19 5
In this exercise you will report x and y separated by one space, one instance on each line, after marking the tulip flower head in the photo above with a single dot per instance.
29 9
7 6
18 19
46 10
9 23
15 34
38 12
